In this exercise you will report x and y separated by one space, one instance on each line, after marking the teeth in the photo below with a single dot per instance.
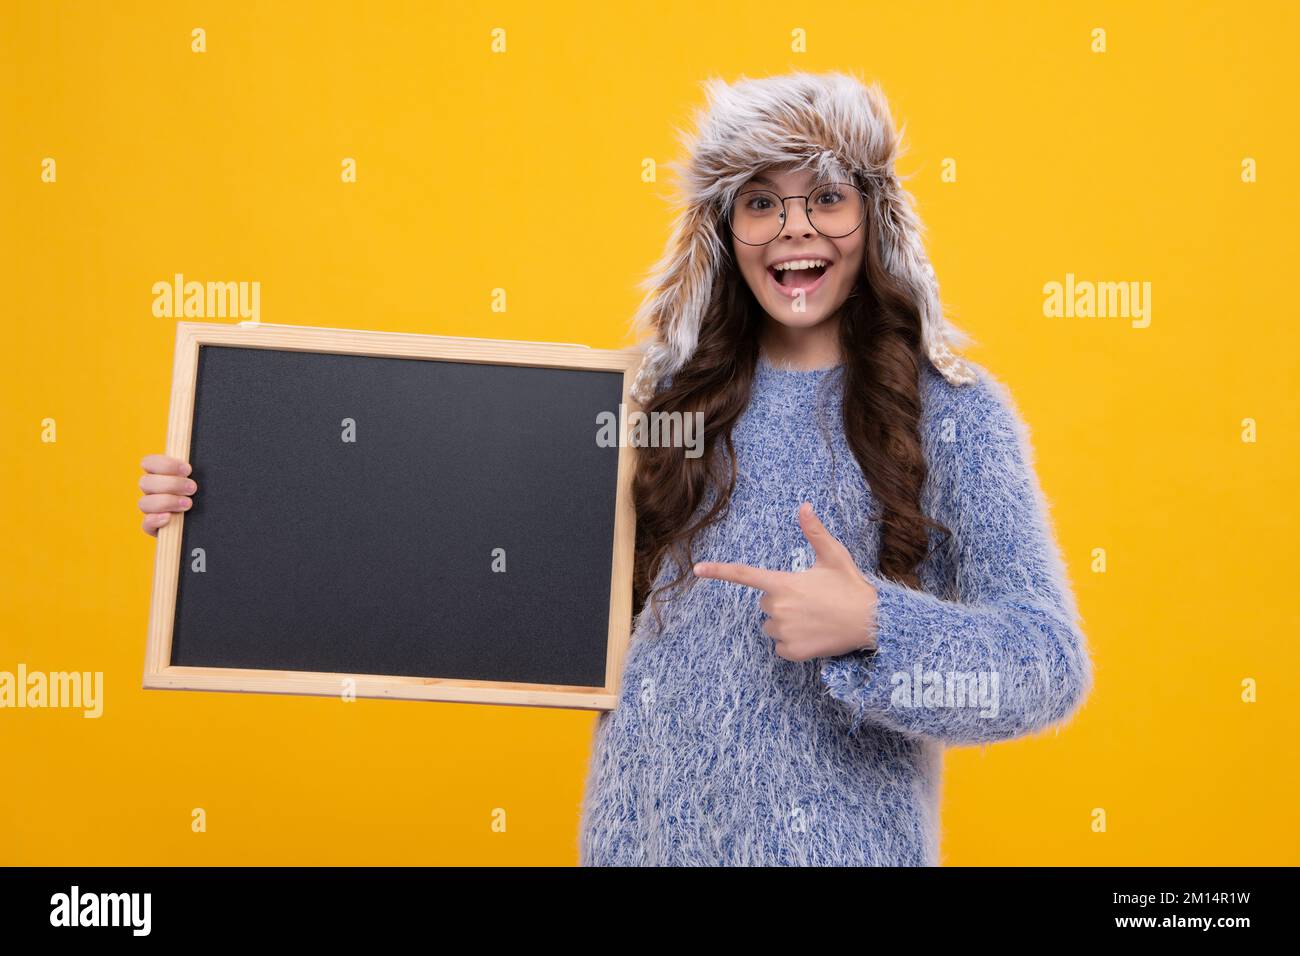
800 264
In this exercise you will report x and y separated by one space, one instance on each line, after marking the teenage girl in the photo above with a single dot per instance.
860 569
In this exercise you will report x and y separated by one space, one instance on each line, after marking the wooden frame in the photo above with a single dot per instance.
159 673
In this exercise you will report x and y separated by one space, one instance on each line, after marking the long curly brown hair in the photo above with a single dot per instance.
880 341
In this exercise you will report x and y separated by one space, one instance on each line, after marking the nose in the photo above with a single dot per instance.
796 219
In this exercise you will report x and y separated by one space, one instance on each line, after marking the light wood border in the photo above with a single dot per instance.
159 672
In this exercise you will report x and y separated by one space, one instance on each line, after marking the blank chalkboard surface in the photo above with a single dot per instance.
395 515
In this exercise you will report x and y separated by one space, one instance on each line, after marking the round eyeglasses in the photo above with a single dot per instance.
835 210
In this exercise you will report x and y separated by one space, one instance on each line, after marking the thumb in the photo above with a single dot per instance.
830 552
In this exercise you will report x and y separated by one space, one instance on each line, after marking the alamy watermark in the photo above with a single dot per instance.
71 689
1084 298
918 688
651 430
179 298
75 908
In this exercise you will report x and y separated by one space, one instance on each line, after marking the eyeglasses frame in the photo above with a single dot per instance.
807 211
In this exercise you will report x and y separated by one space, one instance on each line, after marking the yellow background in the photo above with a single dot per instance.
522 171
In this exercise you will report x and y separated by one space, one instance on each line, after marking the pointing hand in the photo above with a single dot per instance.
826 611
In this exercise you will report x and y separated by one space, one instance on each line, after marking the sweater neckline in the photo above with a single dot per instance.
793 387
767 366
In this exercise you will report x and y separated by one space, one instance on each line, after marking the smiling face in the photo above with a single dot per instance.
826 269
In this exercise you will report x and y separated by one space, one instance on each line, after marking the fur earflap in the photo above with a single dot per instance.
832 123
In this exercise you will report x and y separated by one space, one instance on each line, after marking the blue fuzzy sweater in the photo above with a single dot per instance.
722 753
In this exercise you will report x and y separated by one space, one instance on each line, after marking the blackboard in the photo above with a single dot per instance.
395 516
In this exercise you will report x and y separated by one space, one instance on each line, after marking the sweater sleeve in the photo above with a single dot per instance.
1007 659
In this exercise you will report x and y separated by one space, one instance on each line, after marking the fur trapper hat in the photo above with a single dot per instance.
832 123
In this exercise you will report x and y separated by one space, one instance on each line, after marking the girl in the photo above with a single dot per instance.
860 569
777 713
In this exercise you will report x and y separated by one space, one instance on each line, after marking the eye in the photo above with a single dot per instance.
829 197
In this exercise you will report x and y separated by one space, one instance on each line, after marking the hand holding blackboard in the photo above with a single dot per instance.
165 485
496 566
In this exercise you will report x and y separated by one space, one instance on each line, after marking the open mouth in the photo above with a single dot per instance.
793 281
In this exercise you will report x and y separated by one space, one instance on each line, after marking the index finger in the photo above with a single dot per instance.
165 465
752 577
